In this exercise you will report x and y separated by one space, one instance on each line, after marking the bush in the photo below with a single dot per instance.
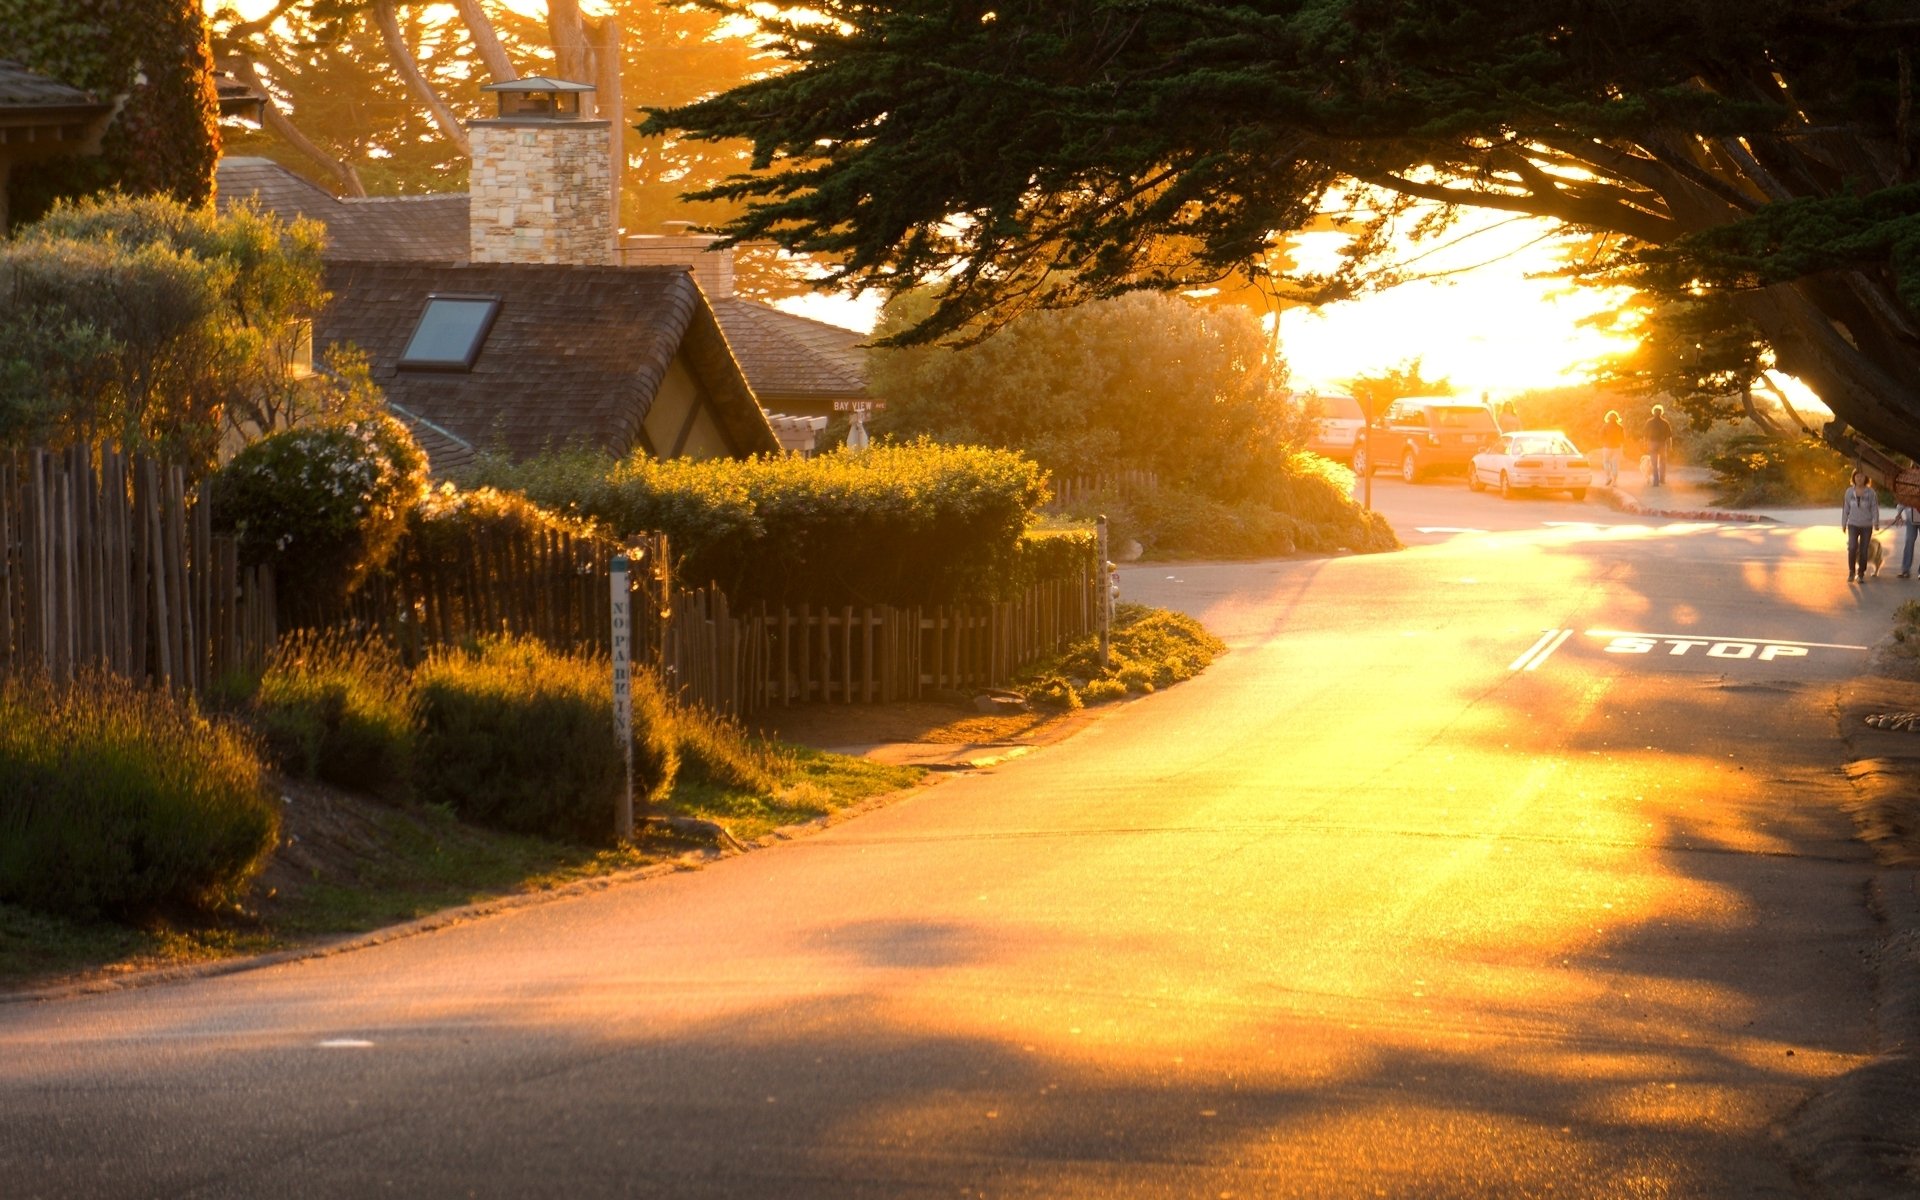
1305 507
338 708
324 505
517 736
1753 468
116 799
1148 648
902 525
715 750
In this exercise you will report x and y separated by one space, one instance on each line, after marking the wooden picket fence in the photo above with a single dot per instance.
1075 489
739 663
546 584
108 561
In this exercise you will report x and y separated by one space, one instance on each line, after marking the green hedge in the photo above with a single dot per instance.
517 736
117 799
902 525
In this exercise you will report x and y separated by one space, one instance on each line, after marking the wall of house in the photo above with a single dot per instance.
542 192
680 394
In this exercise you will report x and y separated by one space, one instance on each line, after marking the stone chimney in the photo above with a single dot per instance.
542 187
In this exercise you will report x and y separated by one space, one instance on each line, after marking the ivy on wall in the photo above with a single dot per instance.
164 139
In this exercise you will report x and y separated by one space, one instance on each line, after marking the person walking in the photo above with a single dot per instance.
1659 436
1613 440
1859 513
1906 516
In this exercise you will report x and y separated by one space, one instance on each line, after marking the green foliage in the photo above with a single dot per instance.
516 736
1144 381
338 707
116 799
916 524
1378 389
1094 155
1148 648
154 325
1755 468
164 138
717 751
324 505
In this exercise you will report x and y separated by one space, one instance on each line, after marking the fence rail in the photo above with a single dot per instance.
546 584
1076 489
739 663
109 561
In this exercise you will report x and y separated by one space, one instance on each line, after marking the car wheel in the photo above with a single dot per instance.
1507 490
1474 483
1578 493
1410 468
1362 465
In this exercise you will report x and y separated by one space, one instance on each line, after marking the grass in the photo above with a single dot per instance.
412 860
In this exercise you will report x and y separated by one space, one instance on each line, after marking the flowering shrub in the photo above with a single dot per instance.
324 504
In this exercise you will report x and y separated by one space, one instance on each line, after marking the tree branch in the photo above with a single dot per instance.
385 15
343 173
486 41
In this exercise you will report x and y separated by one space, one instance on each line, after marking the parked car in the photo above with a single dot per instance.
1424 435
1530 460
1337 424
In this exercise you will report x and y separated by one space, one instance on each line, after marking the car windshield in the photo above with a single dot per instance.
1543 445
1463 417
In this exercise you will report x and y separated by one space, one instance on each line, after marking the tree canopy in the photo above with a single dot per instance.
1752 154
150 324
150 55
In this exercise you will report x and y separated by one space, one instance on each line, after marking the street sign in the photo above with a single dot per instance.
623 686
859 406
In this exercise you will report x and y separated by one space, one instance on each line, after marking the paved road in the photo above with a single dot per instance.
1441 884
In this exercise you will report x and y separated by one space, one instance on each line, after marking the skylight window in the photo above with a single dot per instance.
450 333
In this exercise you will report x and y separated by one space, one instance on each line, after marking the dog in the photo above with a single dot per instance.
1876 554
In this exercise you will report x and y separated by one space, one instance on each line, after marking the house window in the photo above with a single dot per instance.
450 332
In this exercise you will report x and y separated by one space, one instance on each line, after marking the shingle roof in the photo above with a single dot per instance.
790 358
576 355
21 88
416 228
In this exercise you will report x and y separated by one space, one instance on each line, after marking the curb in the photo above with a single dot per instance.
1620 501
1858 1138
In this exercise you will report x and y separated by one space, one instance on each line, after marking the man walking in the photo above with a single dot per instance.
1659 435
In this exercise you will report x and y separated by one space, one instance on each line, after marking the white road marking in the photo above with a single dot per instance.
345 1044
1702 639
1541 650
1445 529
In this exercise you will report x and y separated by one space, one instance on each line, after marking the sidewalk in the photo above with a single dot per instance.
1688 495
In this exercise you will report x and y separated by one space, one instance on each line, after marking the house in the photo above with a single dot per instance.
535 201
42 118
500 320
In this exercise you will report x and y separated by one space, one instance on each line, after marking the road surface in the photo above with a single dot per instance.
1511 865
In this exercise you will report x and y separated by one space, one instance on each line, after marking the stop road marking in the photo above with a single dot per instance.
1738 649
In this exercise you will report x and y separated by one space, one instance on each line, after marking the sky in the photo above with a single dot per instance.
1496 326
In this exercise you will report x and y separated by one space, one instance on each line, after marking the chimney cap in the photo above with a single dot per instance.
537 83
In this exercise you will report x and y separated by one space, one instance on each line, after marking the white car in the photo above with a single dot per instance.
1337 424
1531 460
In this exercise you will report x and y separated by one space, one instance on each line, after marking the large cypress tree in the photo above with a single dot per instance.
1755 155
165 137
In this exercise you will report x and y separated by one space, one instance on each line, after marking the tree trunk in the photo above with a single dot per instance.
486 40
572 57
347 179
449 125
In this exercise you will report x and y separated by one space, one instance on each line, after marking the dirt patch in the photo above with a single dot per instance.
829 726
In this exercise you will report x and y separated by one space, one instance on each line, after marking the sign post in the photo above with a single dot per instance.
1104 573
623 688
857 438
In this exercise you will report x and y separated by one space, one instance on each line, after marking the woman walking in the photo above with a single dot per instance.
1613 439
1859 514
